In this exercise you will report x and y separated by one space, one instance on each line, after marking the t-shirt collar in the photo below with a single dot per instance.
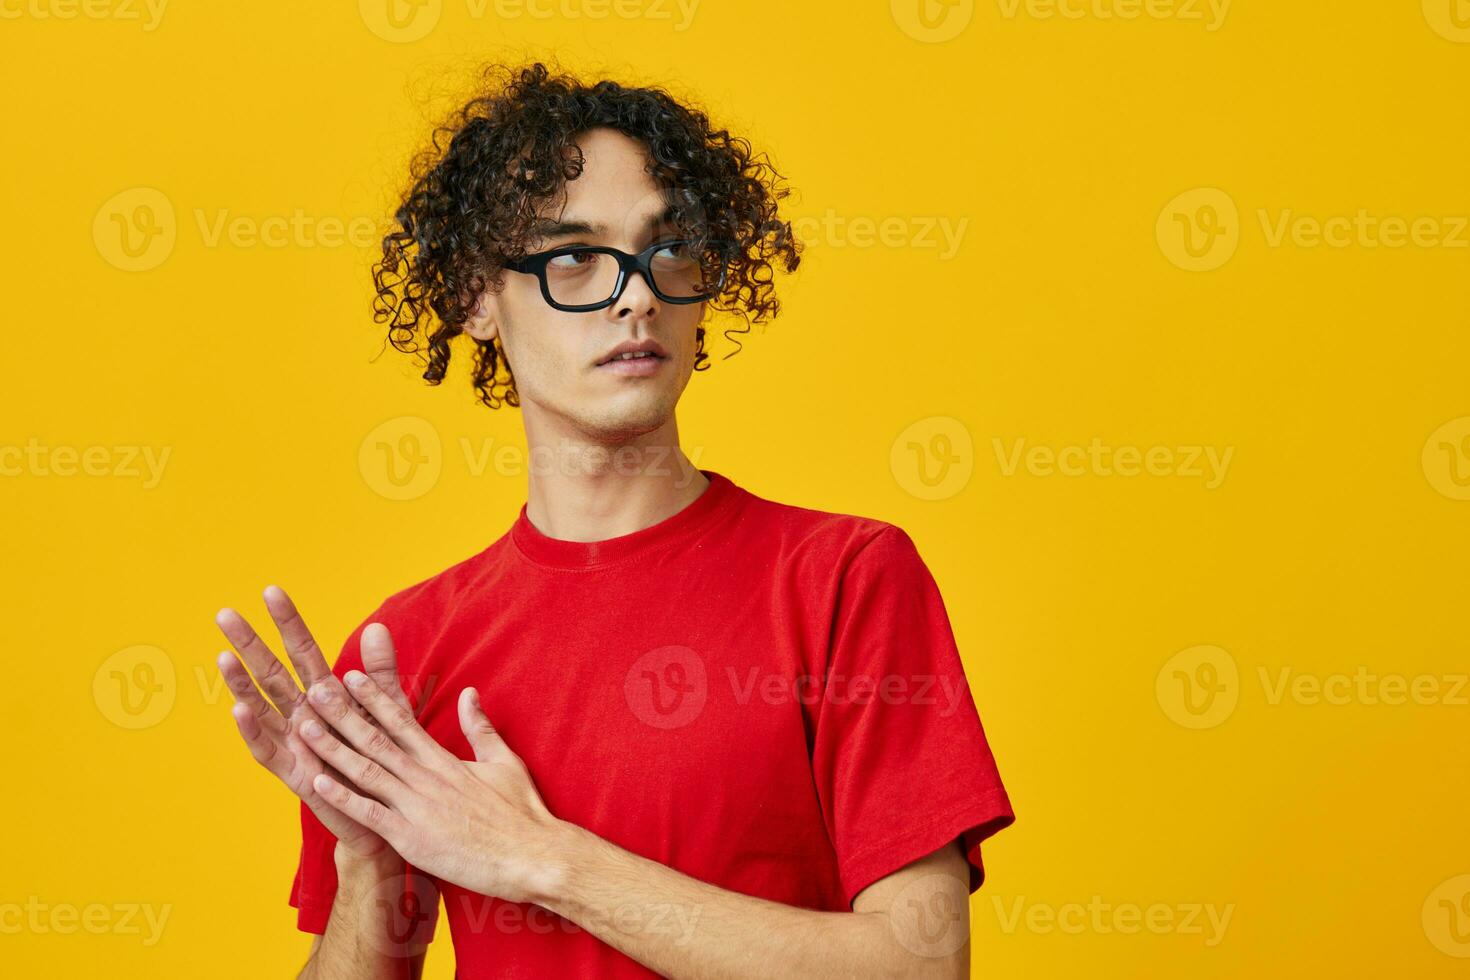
560 553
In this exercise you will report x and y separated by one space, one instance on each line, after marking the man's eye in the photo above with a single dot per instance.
572 260
675 250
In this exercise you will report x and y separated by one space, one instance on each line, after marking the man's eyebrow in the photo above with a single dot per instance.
547 228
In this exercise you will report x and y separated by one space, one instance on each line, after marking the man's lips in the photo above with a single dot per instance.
635 366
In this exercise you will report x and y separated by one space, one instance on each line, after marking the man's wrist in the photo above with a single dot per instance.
552 883
377 867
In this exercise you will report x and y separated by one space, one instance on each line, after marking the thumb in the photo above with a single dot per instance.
483 738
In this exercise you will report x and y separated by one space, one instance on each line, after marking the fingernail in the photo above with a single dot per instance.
312 728
355 678
319 694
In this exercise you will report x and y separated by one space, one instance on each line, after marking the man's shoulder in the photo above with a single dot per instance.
826 535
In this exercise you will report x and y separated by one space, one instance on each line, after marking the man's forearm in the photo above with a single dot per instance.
361 941
685 928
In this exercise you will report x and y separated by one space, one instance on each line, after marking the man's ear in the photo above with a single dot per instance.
482 324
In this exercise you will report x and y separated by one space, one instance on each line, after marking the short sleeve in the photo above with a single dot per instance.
315 886
901 760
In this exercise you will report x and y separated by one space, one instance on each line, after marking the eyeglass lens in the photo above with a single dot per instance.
582 278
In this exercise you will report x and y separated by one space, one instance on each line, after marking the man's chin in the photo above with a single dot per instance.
628 416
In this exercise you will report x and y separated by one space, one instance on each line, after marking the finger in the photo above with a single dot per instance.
398 721
373 815
300 645
335 707
269 672
477 727
364 773
266 750
380 661
237 679
341 826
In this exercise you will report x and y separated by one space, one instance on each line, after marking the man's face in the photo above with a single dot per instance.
566 384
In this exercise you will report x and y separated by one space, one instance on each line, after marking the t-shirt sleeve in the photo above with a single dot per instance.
315 886
900 758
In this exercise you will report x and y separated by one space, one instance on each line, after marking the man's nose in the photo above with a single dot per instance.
637 298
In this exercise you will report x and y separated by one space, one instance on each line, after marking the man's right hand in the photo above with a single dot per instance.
272 729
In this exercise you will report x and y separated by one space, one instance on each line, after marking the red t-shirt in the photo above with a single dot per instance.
762 696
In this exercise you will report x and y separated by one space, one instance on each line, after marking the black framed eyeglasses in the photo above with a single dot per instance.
583 278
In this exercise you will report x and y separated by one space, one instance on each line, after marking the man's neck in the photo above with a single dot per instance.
581 489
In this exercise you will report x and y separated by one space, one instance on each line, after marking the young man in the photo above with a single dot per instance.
661 725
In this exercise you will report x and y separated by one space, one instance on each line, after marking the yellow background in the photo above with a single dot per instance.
1333 545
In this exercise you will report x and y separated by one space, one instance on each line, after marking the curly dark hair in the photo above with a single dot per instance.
474 202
